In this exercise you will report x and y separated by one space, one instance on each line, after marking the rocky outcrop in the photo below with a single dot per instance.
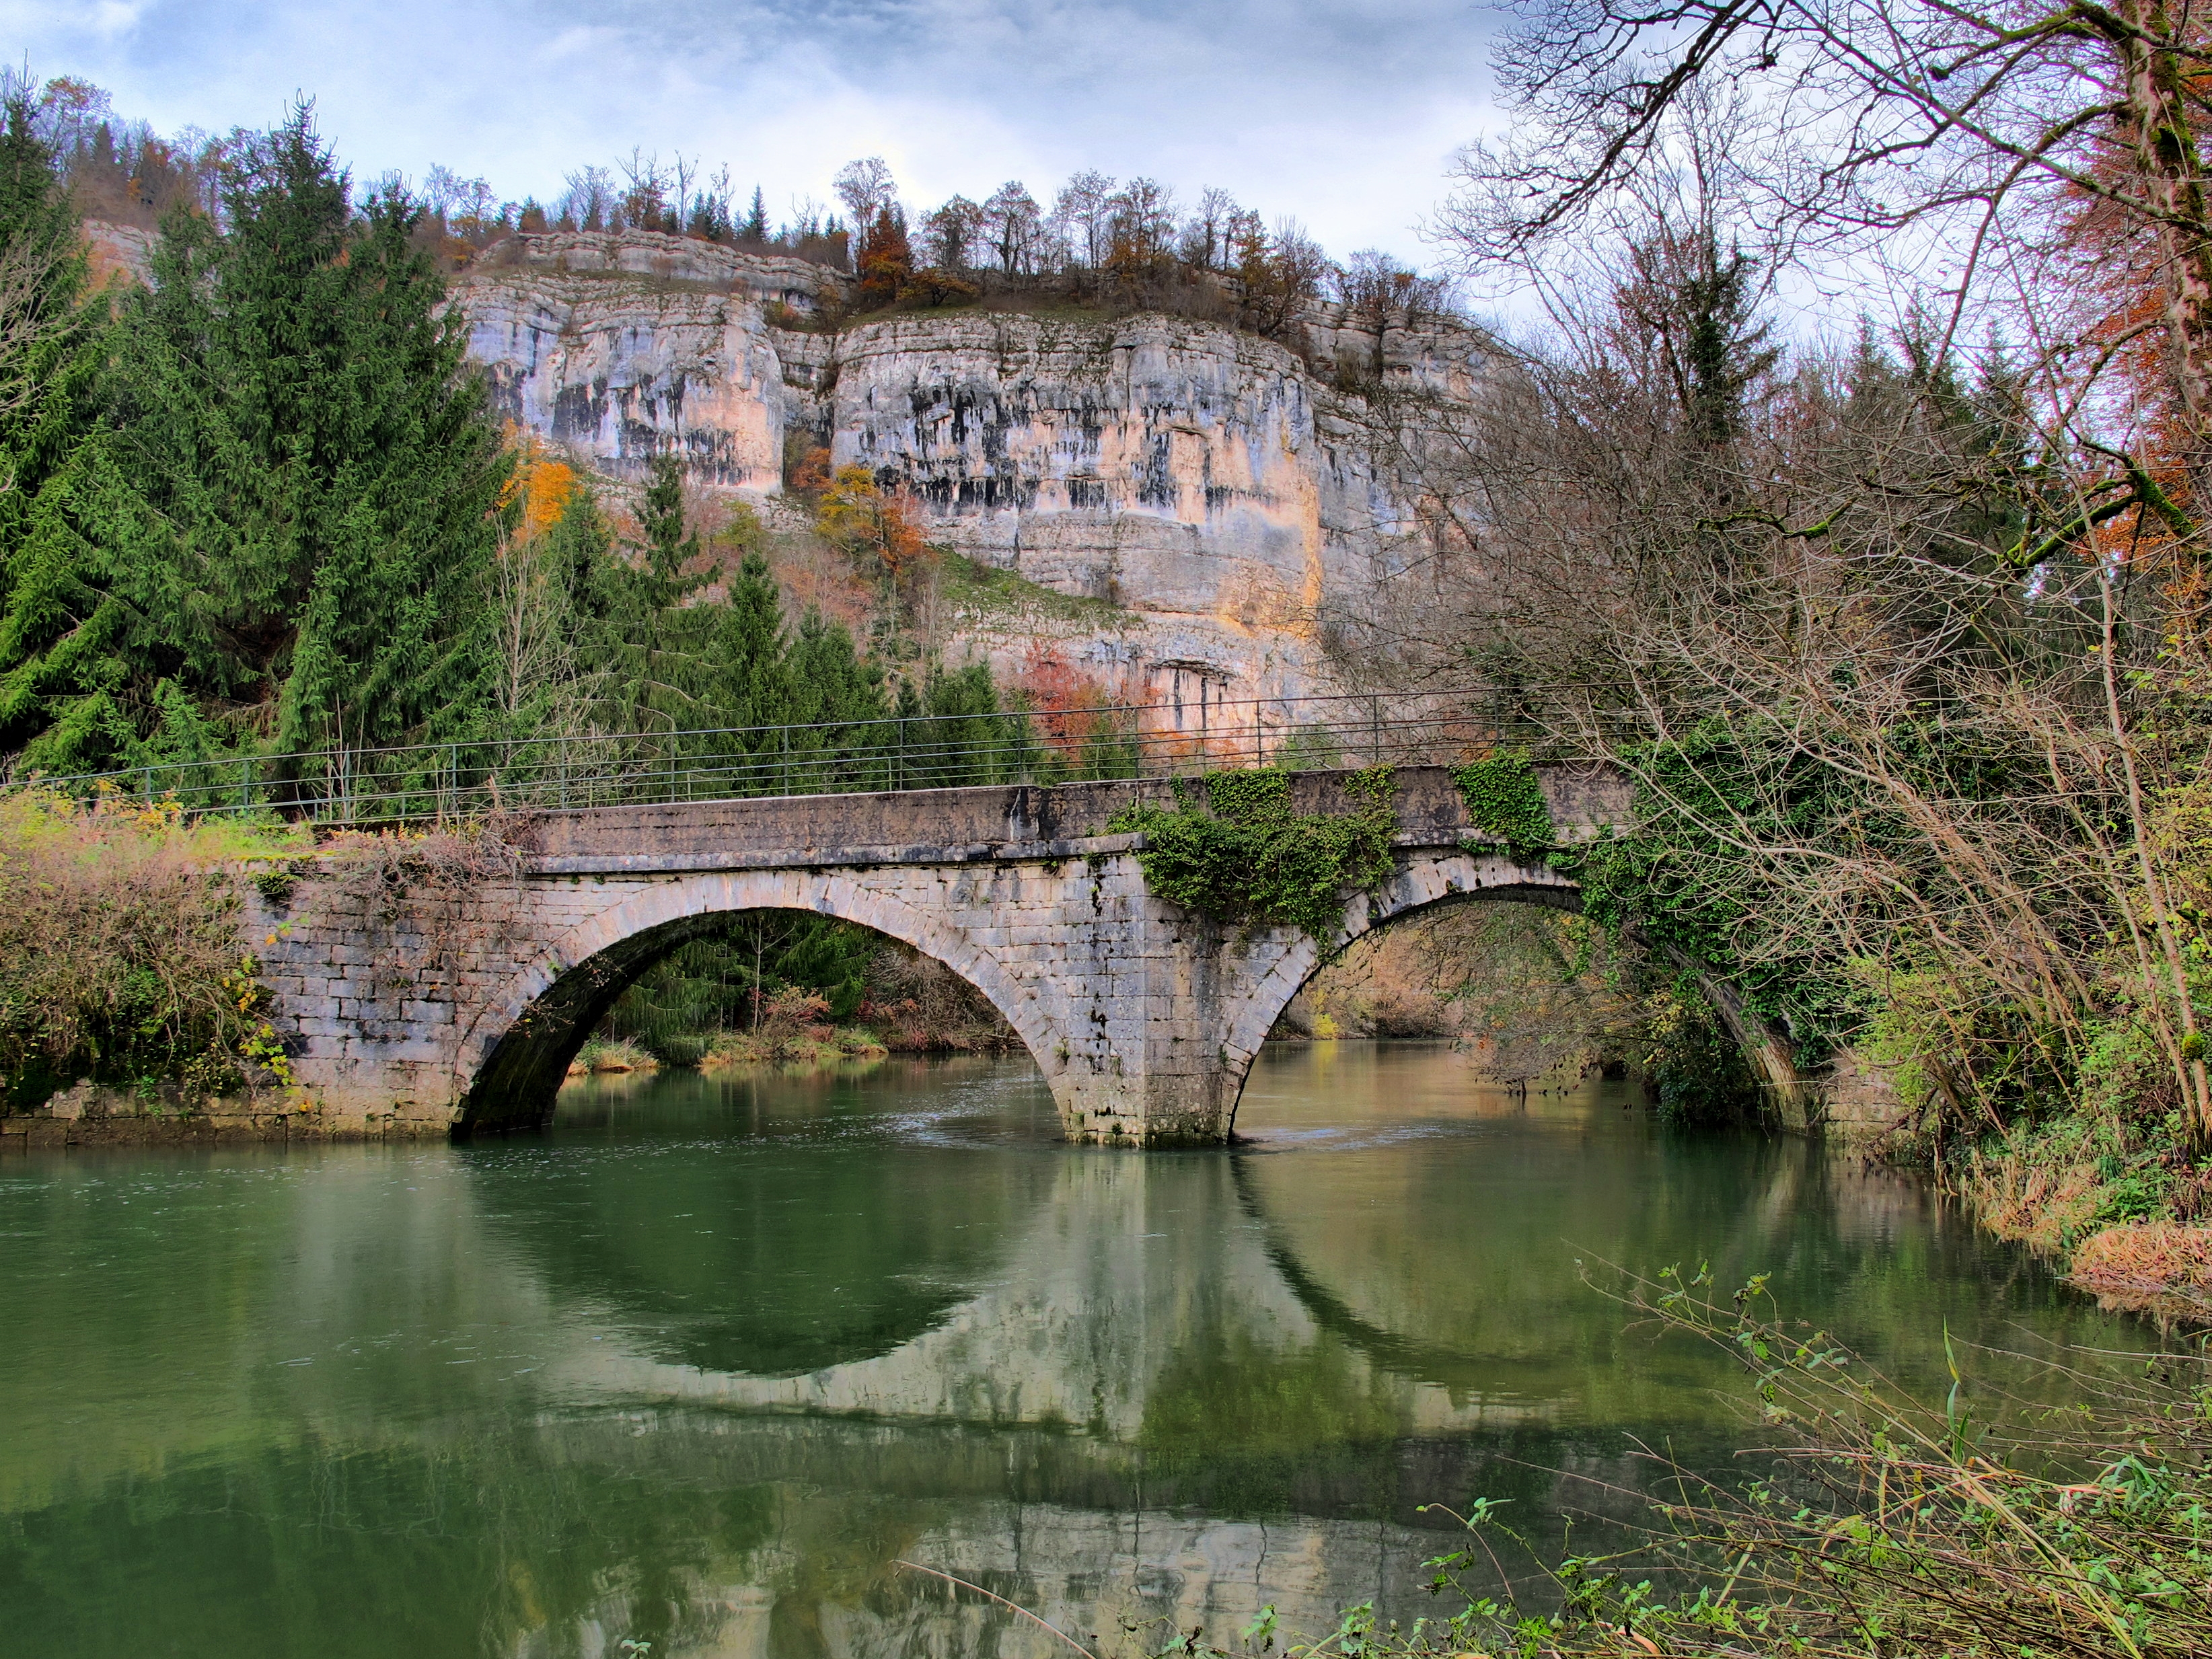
118 253
1224 499
1180 471
617 347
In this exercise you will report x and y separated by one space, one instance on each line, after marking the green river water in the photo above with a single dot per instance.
689 1373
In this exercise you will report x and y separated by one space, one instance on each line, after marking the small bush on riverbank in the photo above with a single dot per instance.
2155 1267
791 1025
2086 1188
121 954
611 1055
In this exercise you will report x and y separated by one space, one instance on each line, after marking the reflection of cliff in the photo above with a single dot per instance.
1204 480
829 1584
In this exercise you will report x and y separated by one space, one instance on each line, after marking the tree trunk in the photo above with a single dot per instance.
2169 177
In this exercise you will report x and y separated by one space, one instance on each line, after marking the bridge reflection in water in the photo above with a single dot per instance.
698 1368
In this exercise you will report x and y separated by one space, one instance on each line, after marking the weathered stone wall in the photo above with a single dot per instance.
88 1116
418 1007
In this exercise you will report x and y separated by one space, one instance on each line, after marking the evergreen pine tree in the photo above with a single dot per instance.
314 464
752 680
751 686
64 634
666 674
834 689
965 738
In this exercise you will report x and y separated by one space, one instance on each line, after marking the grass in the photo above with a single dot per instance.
973 589
2123 1206
611 1055
2157 1267
731 1049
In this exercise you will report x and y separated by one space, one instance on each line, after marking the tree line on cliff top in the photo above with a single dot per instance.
1096 240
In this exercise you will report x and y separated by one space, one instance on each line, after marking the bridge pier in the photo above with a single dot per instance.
459 1006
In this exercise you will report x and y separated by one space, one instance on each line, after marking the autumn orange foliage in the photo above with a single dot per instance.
538 490
872 524
1067 706
810 480
2123 271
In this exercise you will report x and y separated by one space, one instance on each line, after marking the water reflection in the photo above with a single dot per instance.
699 1367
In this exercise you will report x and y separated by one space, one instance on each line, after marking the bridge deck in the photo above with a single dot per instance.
998 821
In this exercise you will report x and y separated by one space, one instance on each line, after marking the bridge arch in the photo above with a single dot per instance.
1427 883
1420 883
515 1052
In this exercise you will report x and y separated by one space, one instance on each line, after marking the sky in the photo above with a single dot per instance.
1341 113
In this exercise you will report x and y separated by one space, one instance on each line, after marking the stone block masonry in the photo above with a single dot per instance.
425 1008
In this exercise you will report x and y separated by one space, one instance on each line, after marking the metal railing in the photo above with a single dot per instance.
920 751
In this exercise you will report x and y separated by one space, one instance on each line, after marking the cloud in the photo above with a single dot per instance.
1340 115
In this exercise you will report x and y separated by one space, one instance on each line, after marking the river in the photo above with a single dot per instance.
689 1373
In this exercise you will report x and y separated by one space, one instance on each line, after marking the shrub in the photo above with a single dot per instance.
921 1006
121 954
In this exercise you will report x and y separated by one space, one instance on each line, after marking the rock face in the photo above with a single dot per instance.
119 253
618 346
1225 500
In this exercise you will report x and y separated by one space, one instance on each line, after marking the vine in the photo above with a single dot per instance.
1248 857
1682 887
1506 802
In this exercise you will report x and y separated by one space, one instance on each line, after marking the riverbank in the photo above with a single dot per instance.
2121 1205
1873 1518
87 1114
2126 1224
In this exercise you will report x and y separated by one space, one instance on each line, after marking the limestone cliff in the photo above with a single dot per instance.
1221 497
1222 501
118 253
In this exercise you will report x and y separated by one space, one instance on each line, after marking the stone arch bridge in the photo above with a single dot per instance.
420 1003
